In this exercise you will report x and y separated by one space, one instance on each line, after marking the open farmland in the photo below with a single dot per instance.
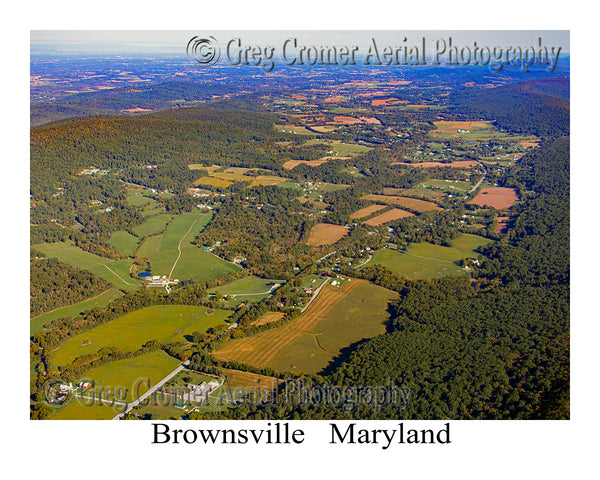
268 318
246 290
365 212
123 375
405 202
326 234
153 225
213 182
290 164
124 242
495 197
114 271
427 261
338 317
394 214
173 254
244 380
163 323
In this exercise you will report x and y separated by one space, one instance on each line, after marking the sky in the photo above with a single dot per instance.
170 41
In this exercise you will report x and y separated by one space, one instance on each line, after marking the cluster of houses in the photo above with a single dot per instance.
158 280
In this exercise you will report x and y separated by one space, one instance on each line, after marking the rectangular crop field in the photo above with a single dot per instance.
365 212
496 197
164 323
337 318
405 202
394 214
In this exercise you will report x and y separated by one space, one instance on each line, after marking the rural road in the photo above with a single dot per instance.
133 404
179 248
316 292
480 181
117 275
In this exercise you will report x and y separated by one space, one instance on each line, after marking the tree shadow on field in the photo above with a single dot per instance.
343 356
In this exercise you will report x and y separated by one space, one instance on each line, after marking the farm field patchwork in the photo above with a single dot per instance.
114 271
163 323
37 323
457 164
338 317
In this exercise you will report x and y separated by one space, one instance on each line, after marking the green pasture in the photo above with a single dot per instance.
153 225
426 261
163 323
114 271
194 262
124 242
124 377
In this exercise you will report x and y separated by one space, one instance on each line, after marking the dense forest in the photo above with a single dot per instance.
55 284
533 107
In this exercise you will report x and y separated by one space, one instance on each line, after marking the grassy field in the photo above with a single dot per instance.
124 242
124 375
268 318
153 225
345 149
214 182
194 262
426 261
37 323
164 323
114 271
248 289
338 317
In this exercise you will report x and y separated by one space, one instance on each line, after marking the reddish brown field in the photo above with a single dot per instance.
365 212
370 120
496 197
459 164
529 144
394 214
502 223
333 99
344 120
311 163
295 96
412 203
326 234
386 101
268 318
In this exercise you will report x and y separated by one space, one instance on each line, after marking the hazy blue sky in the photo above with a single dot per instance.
135 41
